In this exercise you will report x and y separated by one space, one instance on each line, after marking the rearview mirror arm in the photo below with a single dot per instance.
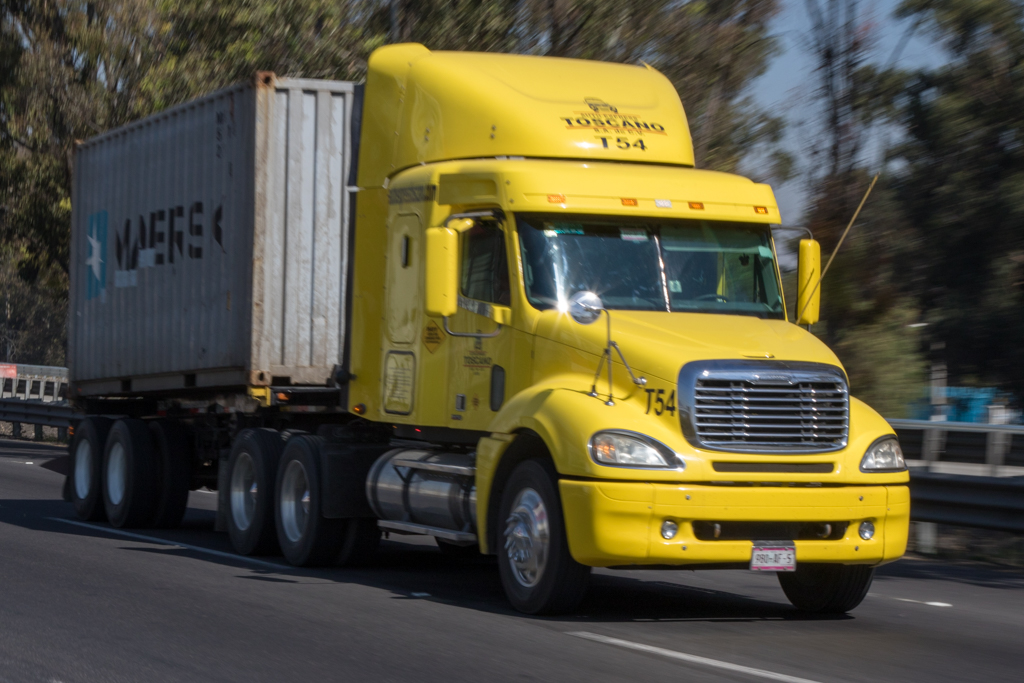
607 354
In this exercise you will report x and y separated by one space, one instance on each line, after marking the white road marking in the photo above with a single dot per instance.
693 659
175 544
922 602
29 462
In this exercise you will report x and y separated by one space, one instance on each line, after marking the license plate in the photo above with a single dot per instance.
773 557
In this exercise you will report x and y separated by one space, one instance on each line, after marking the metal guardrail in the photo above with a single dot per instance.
53 414
984 502
40 414
933 441
35 395
995 503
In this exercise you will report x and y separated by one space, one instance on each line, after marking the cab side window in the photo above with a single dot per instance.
484 264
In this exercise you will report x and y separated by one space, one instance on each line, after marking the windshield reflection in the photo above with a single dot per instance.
679 265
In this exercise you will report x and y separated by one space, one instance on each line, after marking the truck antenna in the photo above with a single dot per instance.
840 243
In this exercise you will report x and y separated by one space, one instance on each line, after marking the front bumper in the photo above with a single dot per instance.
619 523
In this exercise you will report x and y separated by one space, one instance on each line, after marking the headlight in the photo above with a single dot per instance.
628 449
884 455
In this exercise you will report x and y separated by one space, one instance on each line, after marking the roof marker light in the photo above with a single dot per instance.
626 201
763 210
556 198
697 206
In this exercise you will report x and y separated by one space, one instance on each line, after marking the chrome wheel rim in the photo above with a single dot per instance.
117 475
244 491
294 501
83 469
527 538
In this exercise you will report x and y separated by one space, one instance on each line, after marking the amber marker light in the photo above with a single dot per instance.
763 210
626 201
697 206
556 198
359 409
281 396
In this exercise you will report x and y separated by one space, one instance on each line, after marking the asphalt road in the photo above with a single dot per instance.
80 604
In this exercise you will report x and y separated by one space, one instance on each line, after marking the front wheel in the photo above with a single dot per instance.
827 588
538 573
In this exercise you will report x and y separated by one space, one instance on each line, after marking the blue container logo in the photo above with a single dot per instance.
96 261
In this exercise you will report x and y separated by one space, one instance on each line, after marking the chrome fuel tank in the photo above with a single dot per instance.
428 487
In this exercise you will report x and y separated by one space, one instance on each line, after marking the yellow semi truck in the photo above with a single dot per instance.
485 298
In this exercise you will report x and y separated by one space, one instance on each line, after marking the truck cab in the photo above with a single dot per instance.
556 284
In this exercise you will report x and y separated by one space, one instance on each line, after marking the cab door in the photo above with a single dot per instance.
479 359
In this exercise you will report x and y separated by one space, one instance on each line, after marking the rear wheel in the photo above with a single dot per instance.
306 537
252 471
173 459
86 473
538 573
129 475
827 588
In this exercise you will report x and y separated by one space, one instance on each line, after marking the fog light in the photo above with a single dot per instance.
669 529
867 530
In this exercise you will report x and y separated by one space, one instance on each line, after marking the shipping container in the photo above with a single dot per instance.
210 243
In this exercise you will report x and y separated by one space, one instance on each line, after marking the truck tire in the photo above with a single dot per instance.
827 588
306 537
129 474
538 573
173 463
252 472
85 475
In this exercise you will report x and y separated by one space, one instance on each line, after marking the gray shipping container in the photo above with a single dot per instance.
210 242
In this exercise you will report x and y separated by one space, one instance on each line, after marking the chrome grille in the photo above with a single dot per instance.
767 410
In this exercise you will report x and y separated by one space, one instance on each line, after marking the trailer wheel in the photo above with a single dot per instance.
538 573
85 477
827 588
129 474
173 459
307 538
252 471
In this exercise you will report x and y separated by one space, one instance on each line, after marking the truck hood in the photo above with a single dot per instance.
660 343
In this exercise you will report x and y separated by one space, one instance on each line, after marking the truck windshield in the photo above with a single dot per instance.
679 265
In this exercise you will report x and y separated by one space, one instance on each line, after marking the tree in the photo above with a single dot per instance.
961 183
866 308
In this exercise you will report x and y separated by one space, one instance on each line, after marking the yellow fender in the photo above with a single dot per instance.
563 419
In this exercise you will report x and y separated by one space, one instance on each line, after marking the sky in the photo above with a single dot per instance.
785 89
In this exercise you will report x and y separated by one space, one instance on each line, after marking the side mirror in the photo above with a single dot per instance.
442 272
585 307
808 292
